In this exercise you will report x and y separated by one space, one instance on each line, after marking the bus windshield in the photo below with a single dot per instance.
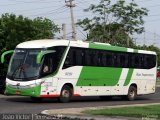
23 64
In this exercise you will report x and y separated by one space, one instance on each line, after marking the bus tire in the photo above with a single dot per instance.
66 94
132 93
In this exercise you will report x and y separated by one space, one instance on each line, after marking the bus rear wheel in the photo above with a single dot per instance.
132 93
66 94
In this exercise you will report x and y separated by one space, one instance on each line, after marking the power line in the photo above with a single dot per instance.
143 1
154 20
51 11
80 16
25 1
81 2
153 6
153 33
82 33
42 2
39 8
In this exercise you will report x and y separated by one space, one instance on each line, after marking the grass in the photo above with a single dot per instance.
152 111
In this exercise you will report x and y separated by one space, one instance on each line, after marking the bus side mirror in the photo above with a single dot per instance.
4 54
41 54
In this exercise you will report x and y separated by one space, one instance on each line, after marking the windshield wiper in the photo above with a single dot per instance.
16 70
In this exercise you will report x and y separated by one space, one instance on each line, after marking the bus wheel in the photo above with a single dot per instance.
36 99
132 93
66 94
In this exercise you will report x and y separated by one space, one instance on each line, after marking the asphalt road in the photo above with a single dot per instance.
24 105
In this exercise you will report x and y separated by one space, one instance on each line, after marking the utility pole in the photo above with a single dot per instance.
144 38
70 4
64 30
104 28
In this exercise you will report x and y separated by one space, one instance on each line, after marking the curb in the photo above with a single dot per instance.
75 113
85 117
44 112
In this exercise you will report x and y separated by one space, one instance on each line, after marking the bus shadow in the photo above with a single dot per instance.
87 99
98 99
29 100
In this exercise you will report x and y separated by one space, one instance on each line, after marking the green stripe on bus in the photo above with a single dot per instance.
129 76
107 47
99 76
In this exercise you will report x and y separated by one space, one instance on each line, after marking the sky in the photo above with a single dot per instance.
56 11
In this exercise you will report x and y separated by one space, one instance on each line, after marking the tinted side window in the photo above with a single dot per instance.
69 59
52 60
110 59
88 57
136 61
123 60
149 61
78 57
48 64
103 58
95 58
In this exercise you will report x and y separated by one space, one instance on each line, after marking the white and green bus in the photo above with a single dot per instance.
62 69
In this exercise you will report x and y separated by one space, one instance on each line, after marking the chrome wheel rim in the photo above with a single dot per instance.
65 93
132 94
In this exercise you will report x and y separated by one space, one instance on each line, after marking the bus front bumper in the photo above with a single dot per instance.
33 91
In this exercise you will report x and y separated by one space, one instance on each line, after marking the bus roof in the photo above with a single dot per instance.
45 43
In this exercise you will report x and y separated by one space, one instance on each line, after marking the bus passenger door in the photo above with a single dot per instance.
47 73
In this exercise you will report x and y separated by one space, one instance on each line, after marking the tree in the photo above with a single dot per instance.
114 22
16 29
117 36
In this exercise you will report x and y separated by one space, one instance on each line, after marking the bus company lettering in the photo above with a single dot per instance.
144 75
